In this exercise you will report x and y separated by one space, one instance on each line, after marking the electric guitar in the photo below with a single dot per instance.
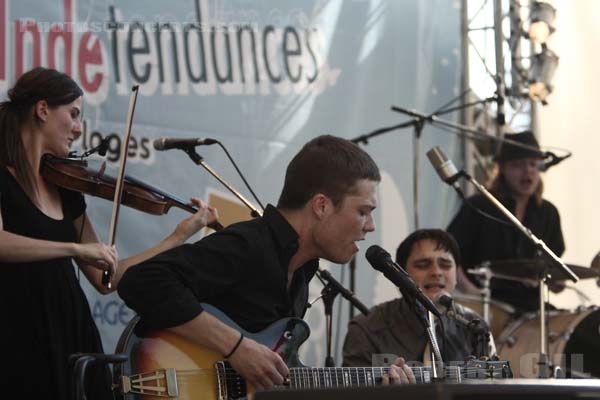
164 365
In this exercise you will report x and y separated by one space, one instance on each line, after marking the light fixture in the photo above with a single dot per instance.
541 17
542 70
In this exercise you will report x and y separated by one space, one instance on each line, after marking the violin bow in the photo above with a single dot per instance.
120 177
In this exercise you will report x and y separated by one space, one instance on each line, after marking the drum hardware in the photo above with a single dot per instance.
511 340
500 314
535 270
518 269
554 336
484 272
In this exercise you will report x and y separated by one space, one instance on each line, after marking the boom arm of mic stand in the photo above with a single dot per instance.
198 160
347 294
462 130
365 138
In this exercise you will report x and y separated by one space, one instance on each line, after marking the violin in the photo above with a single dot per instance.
75 175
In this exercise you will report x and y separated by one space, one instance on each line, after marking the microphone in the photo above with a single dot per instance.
103 146
445 300
181 144
382 261
444 167
553 160
101 149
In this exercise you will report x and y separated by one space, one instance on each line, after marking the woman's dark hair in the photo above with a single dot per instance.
329 165
57 89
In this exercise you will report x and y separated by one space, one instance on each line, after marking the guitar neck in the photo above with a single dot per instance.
307 378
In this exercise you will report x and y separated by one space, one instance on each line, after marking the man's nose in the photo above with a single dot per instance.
436 270
370 225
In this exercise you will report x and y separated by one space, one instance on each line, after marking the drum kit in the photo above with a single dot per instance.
572 337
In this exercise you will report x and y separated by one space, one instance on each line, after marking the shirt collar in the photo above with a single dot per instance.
286 238
285 235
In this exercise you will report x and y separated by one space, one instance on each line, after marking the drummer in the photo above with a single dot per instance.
430 257
518 185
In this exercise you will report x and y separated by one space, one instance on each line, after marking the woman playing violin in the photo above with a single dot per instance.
42 229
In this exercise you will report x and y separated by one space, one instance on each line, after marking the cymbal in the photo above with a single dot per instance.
531 268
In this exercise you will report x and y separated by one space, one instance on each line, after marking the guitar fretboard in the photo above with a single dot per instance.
307 378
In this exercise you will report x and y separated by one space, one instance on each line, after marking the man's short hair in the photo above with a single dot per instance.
441 238
328 165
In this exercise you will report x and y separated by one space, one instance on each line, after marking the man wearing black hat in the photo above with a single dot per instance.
518 186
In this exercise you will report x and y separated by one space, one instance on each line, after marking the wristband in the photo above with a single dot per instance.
236 346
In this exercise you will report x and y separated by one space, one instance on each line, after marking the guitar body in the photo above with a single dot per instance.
192 367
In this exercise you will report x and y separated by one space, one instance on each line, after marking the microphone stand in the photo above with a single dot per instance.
352 267
198 160
331 289
426 319
483 271
464 130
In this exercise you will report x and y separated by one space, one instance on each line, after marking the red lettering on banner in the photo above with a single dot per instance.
21 29
67 37
87 57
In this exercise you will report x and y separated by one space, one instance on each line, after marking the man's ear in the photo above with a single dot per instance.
41 110
320 205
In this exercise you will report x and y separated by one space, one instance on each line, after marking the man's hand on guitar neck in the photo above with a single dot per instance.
260 366
399 373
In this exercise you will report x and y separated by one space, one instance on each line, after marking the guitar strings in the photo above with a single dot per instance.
307 376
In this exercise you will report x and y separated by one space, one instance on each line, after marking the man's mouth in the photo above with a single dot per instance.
432 285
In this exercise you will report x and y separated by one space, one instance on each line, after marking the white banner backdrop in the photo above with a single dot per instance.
263 77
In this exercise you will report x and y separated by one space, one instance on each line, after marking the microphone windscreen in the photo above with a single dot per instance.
376 256
442 165
159 144
445 300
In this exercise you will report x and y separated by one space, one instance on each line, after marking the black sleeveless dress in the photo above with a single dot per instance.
45 314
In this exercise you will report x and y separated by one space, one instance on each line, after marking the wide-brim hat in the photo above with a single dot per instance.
509 151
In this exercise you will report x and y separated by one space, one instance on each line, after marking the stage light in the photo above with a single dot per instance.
541 17
542 70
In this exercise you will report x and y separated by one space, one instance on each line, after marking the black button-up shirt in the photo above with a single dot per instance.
482 239
242 270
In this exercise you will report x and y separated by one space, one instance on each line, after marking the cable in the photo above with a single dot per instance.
445 348
241 175
479 211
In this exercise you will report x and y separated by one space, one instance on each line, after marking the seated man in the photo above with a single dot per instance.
258 271
430 256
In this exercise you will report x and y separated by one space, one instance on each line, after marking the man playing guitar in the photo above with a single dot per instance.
257 272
